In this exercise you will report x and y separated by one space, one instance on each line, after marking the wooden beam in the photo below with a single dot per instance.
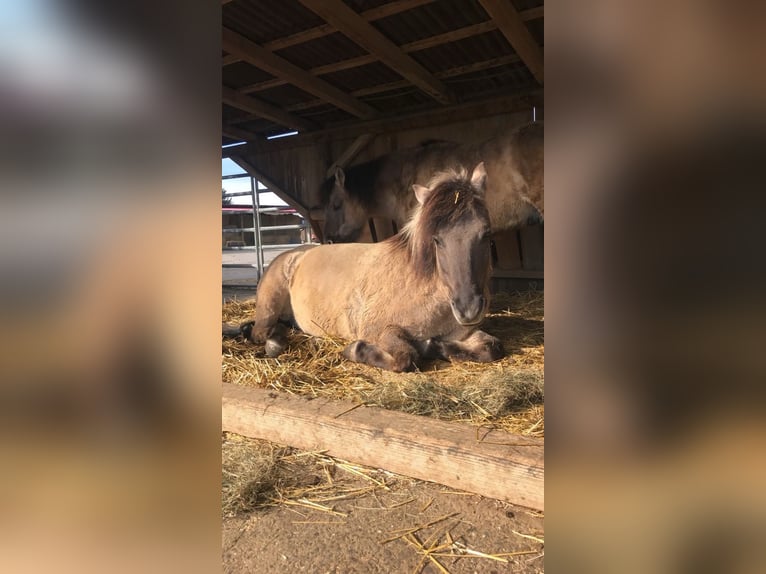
444 74
380 88
326 29
370 15
249 167
517 102
254 54
425 43
265 110
451 36
494 464
350 153
515 31
230 59
239 134
335 12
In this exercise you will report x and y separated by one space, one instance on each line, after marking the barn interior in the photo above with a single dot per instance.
357 79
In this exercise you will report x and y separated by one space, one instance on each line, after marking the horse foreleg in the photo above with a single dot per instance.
393 350
480 347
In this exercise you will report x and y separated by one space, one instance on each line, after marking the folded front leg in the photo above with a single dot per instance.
480 347
392 350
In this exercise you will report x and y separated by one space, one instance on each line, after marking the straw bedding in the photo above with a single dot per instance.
507 394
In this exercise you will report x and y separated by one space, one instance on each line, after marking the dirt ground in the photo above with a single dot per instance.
355 540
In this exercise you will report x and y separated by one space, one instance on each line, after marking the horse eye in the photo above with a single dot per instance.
336 204
437 241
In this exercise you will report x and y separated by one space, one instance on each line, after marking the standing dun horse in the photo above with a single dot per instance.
419 294
383 187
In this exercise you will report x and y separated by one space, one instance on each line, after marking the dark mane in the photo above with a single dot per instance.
360 182
452 201
361 178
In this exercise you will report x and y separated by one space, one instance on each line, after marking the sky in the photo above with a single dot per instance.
228 167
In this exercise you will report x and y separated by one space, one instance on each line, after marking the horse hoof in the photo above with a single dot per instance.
273 348
353 350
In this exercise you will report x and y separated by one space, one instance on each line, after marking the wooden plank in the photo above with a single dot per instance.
515 31
508 249
239 134
452 36
370 15
380 88
384 228
350 153
496 464
517 274
532 247
376 14
271 185
326 29
451 114
265 110
407 48
335 12
258 56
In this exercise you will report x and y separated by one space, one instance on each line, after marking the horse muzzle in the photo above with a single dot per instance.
471 312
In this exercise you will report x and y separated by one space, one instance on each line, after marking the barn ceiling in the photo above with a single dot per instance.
321 65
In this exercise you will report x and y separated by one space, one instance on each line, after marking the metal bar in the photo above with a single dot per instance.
257 225
237 193
280 246
262 229
239 265
240 248
239 230
245 209
281 227
235 175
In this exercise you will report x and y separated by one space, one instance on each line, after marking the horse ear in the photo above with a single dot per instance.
340 177
421 192
479 177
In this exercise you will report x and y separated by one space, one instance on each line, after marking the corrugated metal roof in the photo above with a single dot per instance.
322 51
263 21
468 66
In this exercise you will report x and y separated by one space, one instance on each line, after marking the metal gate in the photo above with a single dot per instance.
263 250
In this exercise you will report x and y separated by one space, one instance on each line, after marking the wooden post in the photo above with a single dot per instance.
495 464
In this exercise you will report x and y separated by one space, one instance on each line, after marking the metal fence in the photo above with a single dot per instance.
259 231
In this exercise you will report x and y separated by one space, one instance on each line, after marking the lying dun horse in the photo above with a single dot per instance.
382 187
421 293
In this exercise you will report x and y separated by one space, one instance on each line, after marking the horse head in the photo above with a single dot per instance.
451 233
344 215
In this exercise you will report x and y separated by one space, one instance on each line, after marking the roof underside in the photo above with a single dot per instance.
313 65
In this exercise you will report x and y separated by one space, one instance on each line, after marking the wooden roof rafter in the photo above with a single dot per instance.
356 28
511 24
381 88
326 29
258 56
265 110
504 54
